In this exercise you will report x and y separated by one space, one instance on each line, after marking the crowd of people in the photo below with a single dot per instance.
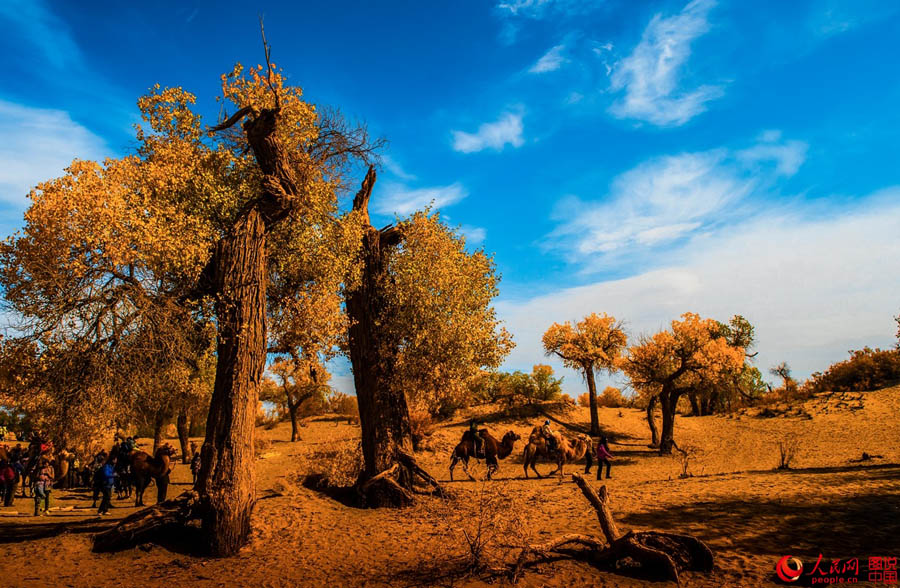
37 468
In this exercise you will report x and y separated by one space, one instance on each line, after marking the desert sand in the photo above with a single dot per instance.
750 513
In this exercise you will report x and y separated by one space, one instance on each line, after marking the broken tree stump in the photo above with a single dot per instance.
666 553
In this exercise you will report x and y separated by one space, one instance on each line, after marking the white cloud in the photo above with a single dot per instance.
507 130
668 198
38 144
788 156
401 200
552 60
538 9
650 75
814 283
474 235
395 168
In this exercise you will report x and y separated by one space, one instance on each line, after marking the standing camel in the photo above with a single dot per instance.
144 467
567 451
61 465
493 450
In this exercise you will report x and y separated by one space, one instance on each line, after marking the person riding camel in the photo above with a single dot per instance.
549 435
476 438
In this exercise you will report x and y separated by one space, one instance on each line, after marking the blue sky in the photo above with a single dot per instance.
641 159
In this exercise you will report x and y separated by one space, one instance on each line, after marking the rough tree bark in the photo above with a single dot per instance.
387 479
696 409
184 435
592 396
292 410
226 480
668 400
655 551
224 494
159 420
651 421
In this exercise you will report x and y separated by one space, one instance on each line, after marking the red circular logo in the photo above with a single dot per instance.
785 571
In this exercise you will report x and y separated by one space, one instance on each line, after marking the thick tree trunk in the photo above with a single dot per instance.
184 435
226 482
295 431
651 421
592 396
383 412
668 401
695 404
159 420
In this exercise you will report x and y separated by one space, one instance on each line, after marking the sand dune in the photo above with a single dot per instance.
750 513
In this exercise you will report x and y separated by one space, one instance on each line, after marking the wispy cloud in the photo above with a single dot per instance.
667 198
39 27
650 75
776 268
552 60
398 199
833 17
391 165
537 9
37 145
507 130
473 235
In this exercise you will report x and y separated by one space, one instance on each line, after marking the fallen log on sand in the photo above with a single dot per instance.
655 551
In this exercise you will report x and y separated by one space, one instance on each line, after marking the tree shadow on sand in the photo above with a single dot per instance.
853 526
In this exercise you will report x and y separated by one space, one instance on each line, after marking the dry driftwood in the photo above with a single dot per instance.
147 523
667 553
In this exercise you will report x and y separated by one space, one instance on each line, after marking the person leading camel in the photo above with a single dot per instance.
603 455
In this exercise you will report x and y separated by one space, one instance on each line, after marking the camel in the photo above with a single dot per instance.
567 451
144 467
61 466
493 450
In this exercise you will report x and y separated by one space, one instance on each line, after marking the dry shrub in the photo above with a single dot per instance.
486 529
867 369
421 427
260 445
344 405
611 397
788 447
339 467
686 454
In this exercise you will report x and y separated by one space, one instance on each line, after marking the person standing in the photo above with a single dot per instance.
7 482
43 485
603 455
105 480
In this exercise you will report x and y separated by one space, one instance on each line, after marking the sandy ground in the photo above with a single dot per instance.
748 512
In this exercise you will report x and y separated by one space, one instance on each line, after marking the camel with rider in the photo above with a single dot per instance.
565 451
492 451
